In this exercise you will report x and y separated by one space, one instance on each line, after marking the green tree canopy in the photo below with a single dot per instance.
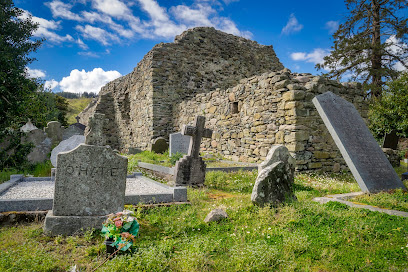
371 44
391 110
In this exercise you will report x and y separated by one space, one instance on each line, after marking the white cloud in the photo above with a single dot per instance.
292 26
81 44
62 10
35 73
82 81
398 48
197 16
316 56
114 8
332 26
96 33
50 84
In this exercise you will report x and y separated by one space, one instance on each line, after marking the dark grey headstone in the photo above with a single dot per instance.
179 143
360 150
391 140
71 131
160 145
90 183
42 145
54 131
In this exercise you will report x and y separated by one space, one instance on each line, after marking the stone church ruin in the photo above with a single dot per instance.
249 99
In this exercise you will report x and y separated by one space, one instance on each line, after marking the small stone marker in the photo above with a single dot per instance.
190 170
274 183
54 131
95 135
65 146
28 127
179 143
72 130
215 215
42 145
391 140
90 183
360 150
160 145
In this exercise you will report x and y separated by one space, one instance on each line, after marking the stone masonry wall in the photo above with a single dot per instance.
274 108
200 60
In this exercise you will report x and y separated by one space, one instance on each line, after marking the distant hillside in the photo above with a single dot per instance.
76 105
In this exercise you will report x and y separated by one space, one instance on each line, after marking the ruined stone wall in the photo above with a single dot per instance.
200 60
274 108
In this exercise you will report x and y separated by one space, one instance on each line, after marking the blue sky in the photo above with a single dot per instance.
91 42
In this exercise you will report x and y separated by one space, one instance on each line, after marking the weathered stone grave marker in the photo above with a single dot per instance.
190 170
66 145
179 143
90 183
74 129
54 131
360 150
160 145
95 135
391 140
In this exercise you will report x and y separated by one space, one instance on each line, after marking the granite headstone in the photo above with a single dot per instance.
54 131
160 145
360 150
90 183
391 140
179 143
42 145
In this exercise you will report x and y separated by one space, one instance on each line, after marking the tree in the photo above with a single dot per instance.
370 45
391 111
16 45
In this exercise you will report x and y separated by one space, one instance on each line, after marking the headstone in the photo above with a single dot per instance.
42 145
54 131
216 215
190 170
95 135
391 140
364 157
72 130
89 184
65 146
179 143
160 145
134 150
274 183
28 127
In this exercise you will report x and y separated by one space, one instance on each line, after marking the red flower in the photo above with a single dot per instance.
118 223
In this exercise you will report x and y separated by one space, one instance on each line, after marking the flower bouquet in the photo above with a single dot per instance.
121 229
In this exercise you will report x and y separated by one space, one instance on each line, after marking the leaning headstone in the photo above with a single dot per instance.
190 170
42 145
274 183
28 127
89 184
391 140
179 143
160 145
72 130
65 146
95 135
360 150
54 131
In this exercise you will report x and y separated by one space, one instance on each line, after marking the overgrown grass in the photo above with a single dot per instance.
395 199
37 170
75 106
298 236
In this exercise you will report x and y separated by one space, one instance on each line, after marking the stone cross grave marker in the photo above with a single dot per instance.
95 135
90 183
391 140
190 170
363 155
77 118
54 131
179 143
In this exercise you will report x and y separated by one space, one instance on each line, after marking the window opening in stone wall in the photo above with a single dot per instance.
234 107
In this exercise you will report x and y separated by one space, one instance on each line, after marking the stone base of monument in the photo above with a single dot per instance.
189 171
69 225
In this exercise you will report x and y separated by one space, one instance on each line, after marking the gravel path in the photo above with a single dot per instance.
45 189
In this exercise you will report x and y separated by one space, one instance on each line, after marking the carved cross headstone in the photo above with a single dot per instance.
190 170
95 135
77 118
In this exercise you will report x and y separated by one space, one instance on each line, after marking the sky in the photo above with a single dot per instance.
91 42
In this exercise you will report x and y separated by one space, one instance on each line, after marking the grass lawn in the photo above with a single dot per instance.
298 236
75 106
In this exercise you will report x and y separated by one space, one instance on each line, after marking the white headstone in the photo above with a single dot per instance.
179 143
66 145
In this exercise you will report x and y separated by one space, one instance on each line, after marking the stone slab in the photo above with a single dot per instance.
36 194
391 140
66 145
179 143
364 157
157 168
342 198
71 225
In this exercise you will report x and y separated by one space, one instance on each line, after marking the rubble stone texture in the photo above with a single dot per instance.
250 101
95 135
216 215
